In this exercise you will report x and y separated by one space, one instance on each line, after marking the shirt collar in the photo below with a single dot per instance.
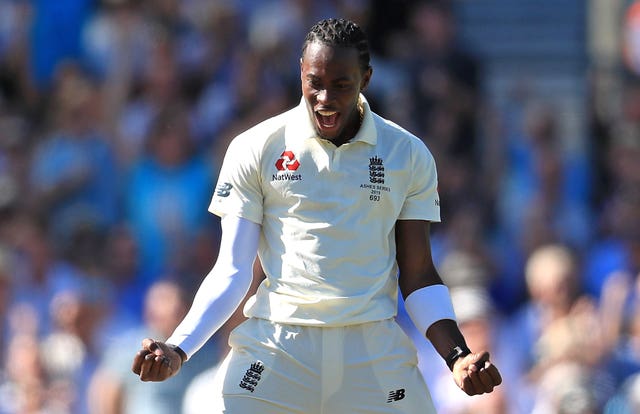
301 126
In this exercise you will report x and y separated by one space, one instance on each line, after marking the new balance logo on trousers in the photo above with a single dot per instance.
395 395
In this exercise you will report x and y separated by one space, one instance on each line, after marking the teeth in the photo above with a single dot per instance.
327 113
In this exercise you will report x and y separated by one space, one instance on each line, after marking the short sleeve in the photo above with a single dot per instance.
238 190
422 201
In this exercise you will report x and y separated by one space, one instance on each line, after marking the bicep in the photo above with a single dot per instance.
413 255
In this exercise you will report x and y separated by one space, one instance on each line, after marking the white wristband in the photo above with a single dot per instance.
428 305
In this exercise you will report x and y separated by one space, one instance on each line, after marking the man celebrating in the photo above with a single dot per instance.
337 203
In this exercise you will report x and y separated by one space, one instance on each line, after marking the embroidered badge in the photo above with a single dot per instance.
376 170
252 376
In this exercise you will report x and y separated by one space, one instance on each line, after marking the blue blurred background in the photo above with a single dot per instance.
115 115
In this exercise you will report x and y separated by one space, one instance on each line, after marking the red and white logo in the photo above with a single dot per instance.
287 161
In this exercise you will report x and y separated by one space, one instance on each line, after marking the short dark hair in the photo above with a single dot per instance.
340 32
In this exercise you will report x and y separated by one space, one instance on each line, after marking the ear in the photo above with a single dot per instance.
366 78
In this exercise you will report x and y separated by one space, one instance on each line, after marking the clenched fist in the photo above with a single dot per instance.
475 374
156 361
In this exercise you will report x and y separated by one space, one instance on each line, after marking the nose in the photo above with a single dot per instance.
323 96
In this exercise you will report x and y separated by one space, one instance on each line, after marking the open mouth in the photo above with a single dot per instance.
327 119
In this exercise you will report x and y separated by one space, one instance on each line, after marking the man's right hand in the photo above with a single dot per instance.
156 361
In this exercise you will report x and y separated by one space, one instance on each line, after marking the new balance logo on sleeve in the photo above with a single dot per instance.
396 395
224 190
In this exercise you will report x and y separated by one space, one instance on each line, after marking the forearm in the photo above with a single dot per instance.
216 300
223 289
428 303
445 336
431 311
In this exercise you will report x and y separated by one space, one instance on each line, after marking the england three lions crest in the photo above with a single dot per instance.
376 170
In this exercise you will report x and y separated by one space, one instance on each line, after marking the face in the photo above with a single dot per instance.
331 83
164 307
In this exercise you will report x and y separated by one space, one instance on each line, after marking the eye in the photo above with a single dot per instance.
343 84
314 83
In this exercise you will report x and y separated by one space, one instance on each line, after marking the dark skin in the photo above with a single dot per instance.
474 374
331 83
332 80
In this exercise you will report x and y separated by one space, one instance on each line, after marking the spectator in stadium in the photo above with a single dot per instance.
73 174
23 386
164 193
557 331
114 390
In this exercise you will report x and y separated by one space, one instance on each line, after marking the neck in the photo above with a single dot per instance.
351 131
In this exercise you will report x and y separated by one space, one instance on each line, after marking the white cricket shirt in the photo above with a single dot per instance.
327 214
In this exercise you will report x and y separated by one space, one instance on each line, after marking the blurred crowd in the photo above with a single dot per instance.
115 115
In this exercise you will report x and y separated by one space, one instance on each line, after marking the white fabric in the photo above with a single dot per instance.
328 214
365 368
428 305
223 288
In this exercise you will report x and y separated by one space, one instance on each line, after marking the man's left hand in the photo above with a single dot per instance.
475 374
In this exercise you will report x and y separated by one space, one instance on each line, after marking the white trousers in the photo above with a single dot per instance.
367 368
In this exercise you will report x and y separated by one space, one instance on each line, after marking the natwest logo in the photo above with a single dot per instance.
287 161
